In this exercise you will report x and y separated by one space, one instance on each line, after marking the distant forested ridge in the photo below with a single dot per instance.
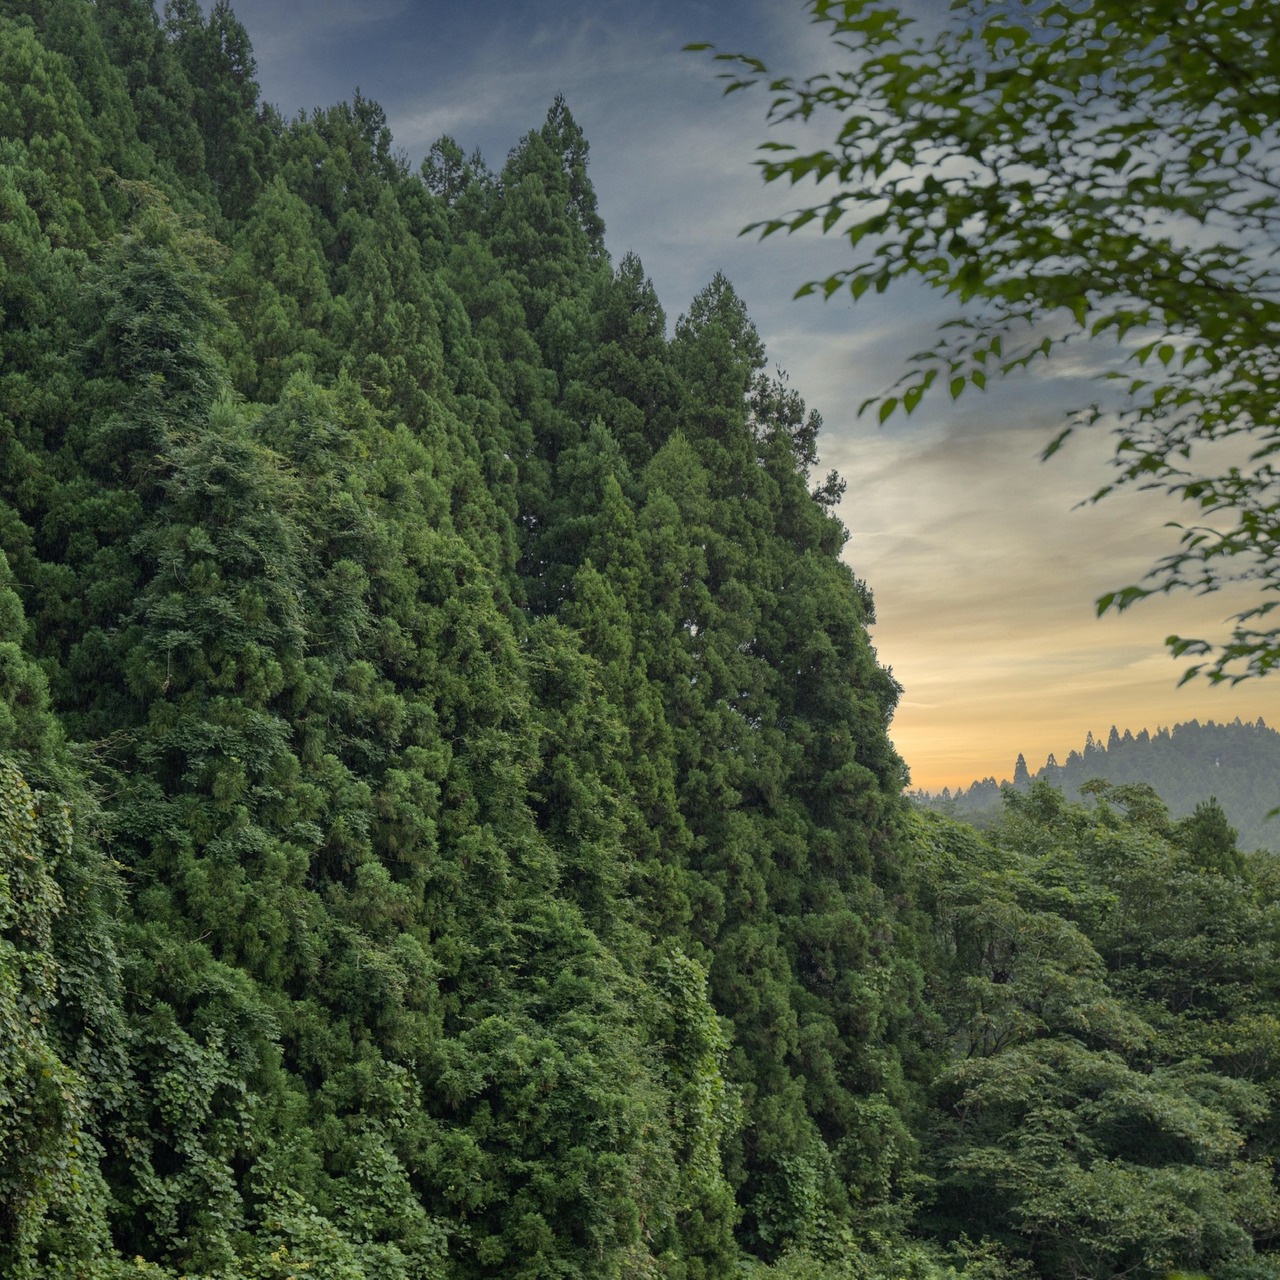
450 827
1238 764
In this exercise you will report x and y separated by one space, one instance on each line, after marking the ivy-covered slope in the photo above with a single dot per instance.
464 836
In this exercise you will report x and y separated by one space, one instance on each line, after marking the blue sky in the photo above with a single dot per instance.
983 566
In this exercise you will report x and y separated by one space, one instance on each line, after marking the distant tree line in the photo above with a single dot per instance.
1236 764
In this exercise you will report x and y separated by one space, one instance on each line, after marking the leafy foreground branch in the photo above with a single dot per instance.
1088 170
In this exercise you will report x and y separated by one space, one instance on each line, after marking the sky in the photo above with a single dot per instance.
983 562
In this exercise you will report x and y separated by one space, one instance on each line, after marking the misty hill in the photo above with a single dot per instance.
1237 763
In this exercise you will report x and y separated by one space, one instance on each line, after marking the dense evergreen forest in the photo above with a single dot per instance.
1237 765
450 828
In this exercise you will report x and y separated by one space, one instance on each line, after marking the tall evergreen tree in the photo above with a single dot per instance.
217 60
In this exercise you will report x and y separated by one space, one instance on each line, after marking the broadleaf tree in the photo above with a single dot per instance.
1075 171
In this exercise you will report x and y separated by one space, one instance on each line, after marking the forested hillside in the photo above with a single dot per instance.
1237 764
450 823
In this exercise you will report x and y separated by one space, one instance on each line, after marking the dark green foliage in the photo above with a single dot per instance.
62 1067
214 56
1092 980
48 143
623 376
546 232
278 282
161 94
